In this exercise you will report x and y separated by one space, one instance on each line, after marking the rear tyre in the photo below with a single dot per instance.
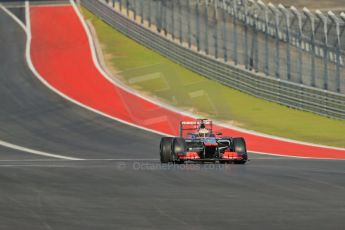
179 147
166 149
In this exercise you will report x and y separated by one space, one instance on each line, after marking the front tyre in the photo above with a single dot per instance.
239 146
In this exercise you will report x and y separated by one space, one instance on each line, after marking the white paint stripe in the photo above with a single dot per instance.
144 78
35 152
13 16
281 155
124 159
281 138
21 148
37 160
174 109
198 93
40 166
52 5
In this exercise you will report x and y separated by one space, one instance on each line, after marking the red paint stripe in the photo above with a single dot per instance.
61 54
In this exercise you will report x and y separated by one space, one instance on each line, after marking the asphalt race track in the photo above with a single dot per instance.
118 183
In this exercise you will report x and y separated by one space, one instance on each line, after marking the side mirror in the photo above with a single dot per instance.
219 133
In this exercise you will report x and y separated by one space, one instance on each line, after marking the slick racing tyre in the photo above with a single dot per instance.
166 149
179 147
239 145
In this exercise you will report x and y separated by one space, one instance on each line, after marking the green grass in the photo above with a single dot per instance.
154 75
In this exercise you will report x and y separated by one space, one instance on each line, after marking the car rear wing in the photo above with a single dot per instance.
194 126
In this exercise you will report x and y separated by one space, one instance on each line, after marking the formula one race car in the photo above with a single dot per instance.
201 144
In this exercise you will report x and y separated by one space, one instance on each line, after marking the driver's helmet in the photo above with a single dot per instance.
203 132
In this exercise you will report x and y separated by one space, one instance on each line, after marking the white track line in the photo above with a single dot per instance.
14 17
51 5
299 157
21 148
35 152
40 166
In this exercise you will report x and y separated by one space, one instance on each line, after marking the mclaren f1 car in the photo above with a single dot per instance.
197 142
